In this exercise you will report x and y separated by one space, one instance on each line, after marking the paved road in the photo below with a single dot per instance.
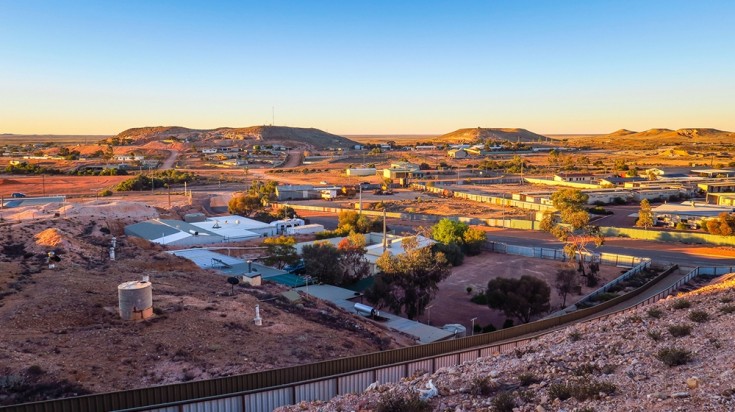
661 252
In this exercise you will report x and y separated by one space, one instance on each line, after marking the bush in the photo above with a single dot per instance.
574 336
681 304
605 296
503 402
674 356
105 193
398 402
481 386
527 379
581 390
654 334
727 309
699 316
678 331
655 313
480 299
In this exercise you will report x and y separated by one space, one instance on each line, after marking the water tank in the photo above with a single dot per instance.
365 310
136 300
458 329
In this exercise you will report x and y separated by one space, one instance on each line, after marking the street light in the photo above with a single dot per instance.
428 314
473 326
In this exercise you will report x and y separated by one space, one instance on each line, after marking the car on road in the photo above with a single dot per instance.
18 195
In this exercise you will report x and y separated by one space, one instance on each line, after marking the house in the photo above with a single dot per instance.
364 171
375 245
236 228
689 213
209 151
721 199
296 192
714 172
172 233
717 187
405 165
573 177
616 181
458 154
424 147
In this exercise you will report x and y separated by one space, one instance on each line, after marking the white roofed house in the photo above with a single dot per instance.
690 213
235 228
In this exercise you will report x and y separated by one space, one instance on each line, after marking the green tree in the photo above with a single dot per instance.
281 251
724 225
521 298
352 259
408 282
322 261
574 228
565 282
449 231
645 215
474 241
244 204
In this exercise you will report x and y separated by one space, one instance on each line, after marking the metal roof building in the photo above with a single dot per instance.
172 232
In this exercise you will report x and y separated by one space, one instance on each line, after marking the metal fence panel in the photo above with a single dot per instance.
268 400
424 366
445 361
468 356
390 374
355 383
233 404
168 409
322 390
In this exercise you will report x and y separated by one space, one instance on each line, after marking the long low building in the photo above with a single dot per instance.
212 230
691 213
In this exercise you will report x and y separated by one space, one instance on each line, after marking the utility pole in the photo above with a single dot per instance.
169 196
385 237
360 201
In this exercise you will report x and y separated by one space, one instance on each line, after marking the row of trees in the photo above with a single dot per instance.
255 199
457 239
155 179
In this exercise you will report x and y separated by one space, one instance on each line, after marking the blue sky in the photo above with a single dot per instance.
383 67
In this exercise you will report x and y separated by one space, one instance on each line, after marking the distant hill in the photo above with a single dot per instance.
656 137
268 134
482 133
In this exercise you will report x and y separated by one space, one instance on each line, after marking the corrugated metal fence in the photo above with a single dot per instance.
263 391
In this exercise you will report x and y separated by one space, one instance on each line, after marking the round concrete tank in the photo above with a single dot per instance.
136 300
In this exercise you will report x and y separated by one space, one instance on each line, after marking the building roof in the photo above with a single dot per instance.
620 180
165 231
713 171
699 209
232 227
227 265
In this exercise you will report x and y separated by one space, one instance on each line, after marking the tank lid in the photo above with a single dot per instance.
134 284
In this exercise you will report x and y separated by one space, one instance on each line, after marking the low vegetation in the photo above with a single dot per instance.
674 356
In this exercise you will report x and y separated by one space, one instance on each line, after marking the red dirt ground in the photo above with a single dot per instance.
453 305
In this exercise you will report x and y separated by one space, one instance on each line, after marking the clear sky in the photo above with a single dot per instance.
367 67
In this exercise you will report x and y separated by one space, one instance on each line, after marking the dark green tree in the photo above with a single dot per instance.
322 261
521 298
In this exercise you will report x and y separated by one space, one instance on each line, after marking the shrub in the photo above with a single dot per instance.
728 309
398 402
503 402
678 331
699 316
581 390
605 296
574 336
105 193
481 386
681 304
480 299
674 356
726 299
585 369
655 335
655 313
527 379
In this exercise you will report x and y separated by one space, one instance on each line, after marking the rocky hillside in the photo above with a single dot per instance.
675 355
658 137
481 133
61 334
310 137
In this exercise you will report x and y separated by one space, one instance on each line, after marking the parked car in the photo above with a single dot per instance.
17 194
